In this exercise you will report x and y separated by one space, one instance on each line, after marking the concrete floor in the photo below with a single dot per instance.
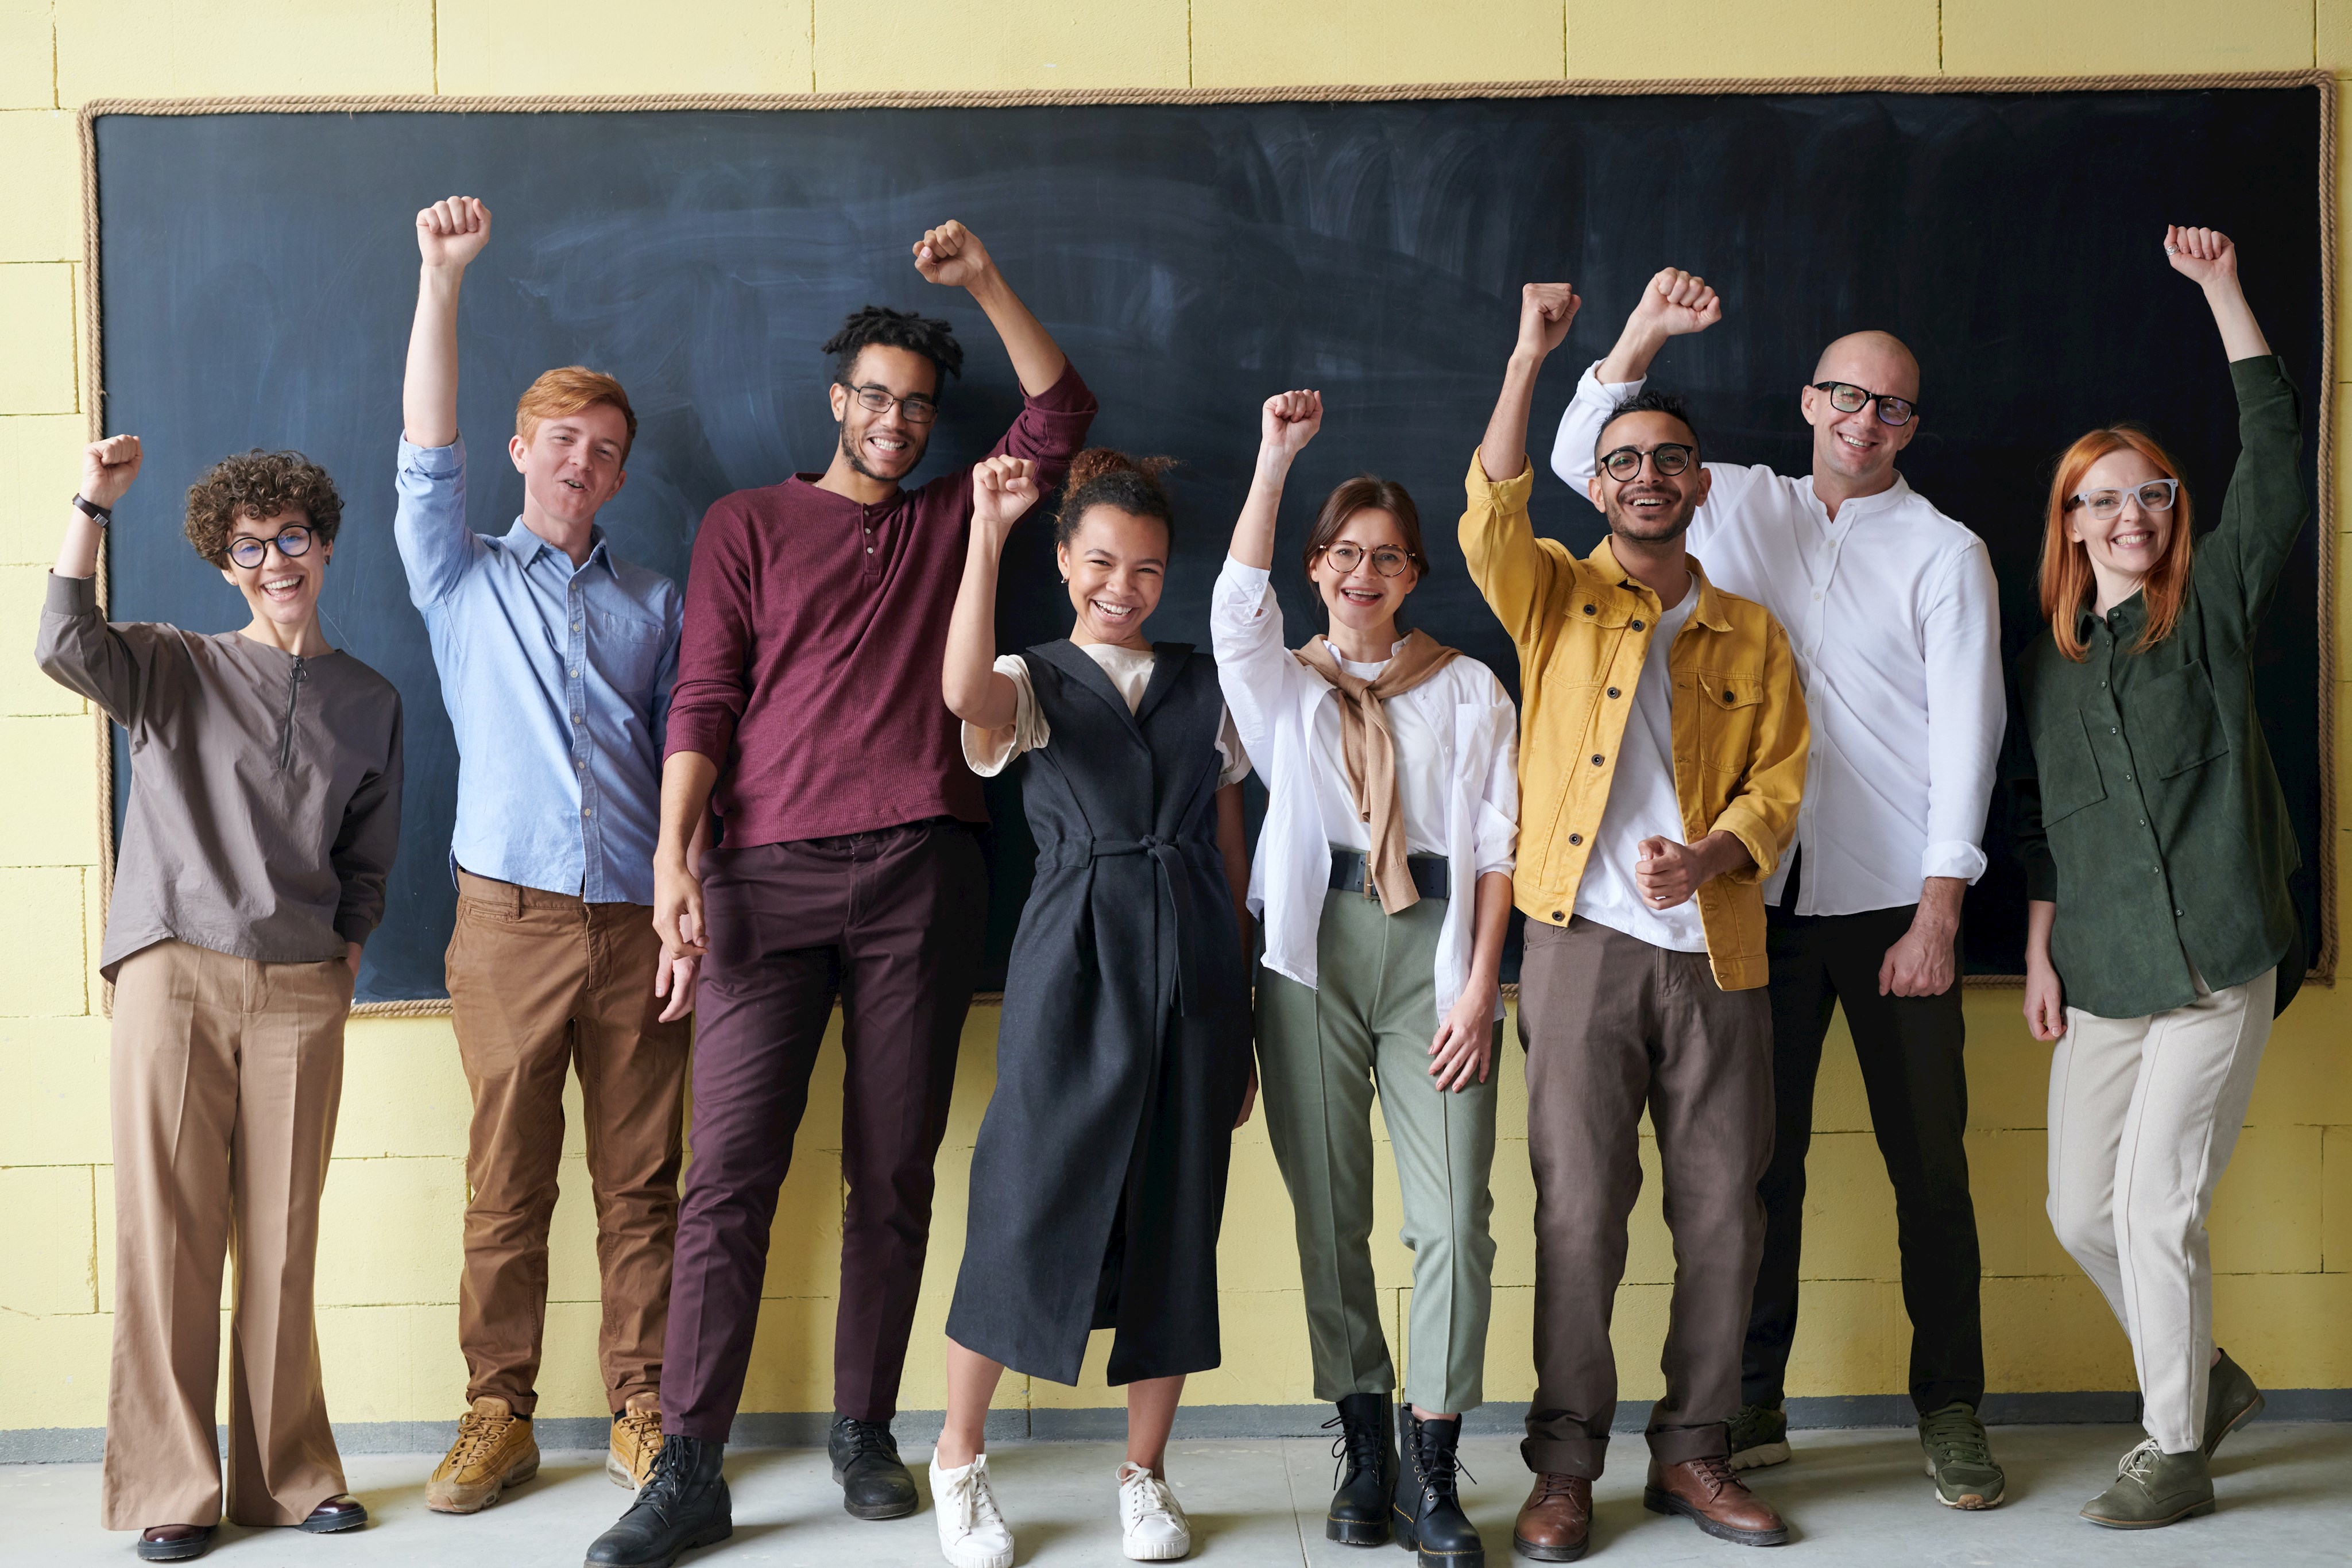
1854 1497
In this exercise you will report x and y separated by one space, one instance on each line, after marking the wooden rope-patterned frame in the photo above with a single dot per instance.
2322 964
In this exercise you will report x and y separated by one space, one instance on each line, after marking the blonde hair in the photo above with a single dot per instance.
559 393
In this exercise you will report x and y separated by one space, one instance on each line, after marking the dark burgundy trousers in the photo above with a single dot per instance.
892 924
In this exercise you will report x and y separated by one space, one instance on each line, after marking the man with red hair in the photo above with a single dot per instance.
556 660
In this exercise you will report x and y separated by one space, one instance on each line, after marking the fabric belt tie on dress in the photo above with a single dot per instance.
1431 874
1175 902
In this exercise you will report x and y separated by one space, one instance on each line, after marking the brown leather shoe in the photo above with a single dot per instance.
336 1514
174 1542
1555 1522
1708 1493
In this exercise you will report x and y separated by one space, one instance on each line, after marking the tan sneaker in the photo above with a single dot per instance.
637 1441
495 1450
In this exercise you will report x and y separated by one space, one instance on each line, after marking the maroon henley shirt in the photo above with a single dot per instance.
815 629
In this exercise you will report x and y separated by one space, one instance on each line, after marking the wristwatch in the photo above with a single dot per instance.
96 514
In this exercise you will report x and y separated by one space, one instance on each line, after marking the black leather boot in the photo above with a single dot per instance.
1429 1517
683 1504
1366 1449
873 1480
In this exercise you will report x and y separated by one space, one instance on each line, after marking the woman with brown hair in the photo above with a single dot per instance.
1383 878
2160 938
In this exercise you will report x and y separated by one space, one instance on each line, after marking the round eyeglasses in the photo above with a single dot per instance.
1388 560
1668 459
248 552
916 410
2156 496
1847 398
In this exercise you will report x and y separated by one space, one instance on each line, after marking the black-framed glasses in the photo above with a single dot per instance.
1667 458
2155 496
918 408
1847 398
1388 560
248 552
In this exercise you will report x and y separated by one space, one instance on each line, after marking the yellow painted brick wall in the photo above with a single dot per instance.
2282 1229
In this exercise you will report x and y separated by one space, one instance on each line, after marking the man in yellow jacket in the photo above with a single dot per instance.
1662 755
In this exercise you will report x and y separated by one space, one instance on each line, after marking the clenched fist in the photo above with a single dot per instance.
1288 421
952 255
1546 309
1002 488
2204 254
453 231
1678 302
108 467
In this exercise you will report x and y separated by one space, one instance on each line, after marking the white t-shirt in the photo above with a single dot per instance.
1421 780
988 752
1642 805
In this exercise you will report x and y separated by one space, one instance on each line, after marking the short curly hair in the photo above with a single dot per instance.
260 486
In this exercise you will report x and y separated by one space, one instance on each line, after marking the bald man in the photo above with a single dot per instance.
1891 609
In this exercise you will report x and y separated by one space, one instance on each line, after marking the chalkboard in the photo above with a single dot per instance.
257 272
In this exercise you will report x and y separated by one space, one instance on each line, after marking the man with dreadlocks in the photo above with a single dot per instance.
808 717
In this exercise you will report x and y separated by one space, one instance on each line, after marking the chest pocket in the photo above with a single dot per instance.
2068 770
1728 708
627 651
2175 723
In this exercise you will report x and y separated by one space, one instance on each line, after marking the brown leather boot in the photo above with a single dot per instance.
1555 1522
1707 1493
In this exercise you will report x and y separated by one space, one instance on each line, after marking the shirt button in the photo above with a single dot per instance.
575 672
575 625
1613 691
1596 759
587 810
1637 625
2157 869
2128 778
1817 598
2112 730
1555 914
2177 916
1587 609
2143 821
1576 838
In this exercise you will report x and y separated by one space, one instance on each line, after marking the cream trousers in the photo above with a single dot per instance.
2144 1113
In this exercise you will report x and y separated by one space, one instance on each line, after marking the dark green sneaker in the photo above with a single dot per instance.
2230 1401
1760 1437
1959 1459
2154 1489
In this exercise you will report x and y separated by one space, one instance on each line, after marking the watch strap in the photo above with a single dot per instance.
96 514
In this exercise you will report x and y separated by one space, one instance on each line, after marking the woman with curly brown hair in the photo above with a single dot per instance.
264 813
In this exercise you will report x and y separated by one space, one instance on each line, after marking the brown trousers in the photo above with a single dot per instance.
1612 1025
538 983
226 1075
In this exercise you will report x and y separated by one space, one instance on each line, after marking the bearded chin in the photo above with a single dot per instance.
849 452
1625 520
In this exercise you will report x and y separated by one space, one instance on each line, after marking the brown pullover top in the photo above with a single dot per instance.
265 789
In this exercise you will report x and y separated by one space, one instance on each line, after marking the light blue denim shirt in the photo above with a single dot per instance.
557 683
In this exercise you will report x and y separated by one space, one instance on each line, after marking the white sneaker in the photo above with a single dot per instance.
973 1534
1151 1517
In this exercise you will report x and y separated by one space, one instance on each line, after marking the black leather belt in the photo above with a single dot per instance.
1430 874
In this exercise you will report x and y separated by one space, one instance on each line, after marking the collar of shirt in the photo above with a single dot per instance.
528 546
1861 507
1707 611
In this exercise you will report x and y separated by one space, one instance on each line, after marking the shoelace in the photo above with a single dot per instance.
971 1501
1958 1437
1715 1471
1357 1447
1438 1467
2141 1461
1548 1487
475 1434
666 1483
867 1438
1146 1494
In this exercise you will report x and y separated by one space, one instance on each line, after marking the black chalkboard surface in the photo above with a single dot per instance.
257 271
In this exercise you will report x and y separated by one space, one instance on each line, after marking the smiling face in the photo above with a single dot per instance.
2127 546
1117 563
571 463
885 445
1651 508
283 589
1362 600
1859 449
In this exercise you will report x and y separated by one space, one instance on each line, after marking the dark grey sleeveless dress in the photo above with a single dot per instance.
1099 1183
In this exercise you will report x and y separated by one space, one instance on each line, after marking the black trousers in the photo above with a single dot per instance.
1910 1051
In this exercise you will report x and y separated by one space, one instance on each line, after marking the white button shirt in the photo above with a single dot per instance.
1893 614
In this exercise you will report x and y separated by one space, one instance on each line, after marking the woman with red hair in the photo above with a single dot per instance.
2161 939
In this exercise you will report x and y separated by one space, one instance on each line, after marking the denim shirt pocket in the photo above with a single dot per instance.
627 651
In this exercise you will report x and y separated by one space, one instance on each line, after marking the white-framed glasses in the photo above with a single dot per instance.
2155 496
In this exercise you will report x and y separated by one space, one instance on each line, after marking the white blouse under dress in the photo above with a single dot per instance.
988 752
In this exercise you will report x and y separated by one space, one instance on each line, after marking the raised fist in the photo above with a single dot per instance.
1288 421
1544 311
1678 302
1002 488
952 254
453 231
108 467
2204 254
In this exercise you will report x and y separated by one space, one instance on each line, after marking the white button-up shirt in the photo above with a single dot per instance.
1893 614
1289 718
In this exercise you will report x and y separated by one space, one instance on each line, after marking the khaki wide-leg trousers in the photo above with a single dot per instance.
1324 1052
2144 1113
226 1075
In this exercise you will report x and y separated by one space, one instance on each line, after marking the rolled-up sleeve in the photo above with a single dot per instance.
436 548
1966 714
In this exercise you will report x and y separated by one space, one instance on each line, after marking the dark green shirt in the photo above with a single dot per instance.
2148 811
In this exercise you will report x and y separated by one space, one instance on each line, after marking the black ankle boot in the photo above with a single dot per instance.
873 1480
1429 1517
683 1504
1366 1449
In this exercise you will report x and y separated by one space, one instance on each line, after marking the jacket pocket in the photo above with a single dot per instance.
1729 705
2068 770
2174 724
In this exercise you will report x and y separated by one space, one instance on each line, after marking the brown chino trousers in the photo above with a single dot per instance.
539 982
1613 1024
227 1073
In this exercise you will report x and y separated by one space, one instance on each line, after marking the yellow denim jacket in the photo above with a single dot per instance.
1583 630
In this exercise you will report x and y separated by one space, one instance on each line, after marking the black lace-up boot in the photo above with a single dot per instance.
683 1504
873 1480
1366 1449
1427 1507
